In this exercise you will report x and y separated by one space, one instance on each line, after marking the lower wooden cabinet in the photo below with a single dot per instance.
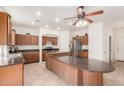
12 75
31 57
83 54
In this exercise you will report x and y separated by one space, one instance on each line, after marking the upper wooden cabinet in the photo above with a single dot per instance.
84 40
35 40
26 39
13 38
46 39
5 29
21 39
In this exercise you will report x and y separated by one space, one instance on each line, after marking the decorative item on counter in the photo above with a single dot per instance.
13 30
10 17
28 33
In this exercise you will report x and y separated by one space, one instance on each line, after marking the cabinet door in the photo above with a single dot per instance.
48 62
29 40
56 69
34 40
3 28
21 39
13 38
35 56
63 71
9 36
54 41
26 57
84 40
72 75
44 40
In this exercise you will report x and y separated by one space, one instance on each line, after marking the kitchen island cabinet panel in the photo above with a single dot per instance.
68 73
78 71
92 78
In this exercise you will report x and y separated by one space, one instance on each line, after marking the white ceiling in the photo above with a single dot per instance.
25 15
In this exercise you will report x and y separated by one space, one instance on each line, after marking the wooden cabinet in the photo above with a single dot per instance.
31 57
12 75
5 29
84 40
83 54
44 55
44 40
35 56
26 39
34 40
53 40
13 41
21 39
68 73
63 71
48 62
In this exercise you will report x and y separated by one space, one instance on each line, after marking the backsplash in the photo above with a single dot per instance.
27 47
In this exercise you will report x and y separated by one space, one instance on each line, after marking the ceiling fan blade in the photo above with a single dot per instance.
69 18
94 13
88 20
76 22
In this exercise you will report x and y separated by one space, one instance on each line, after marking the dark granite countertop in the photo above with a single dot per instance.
87 64
51 49
11 61
28 50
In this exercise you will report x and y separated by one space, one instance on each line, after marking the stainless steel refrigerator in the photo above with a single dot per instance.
75 46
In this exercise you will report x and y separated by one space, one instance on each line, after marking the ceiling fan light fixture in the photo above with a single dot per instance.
47 26
85 22
81 23
32 23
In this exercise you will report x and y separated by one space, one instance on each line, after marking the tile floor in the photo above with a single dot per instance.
36 74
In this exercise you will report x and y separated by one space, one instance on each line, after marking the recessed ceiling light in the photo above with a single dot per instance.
57 19
32 23
47 26
58 28
38 13
70 23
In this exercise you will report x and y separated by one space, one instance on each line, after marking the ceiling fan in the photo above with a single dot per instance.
82 16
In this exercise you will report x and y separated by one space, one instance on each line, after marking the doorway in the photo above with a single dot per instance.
119 45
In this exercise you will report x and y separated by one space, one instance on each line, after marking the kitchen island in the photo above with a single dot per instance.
78 71
12 71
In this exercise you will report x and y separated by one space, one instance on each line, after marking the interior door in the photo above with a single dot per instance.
120 49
